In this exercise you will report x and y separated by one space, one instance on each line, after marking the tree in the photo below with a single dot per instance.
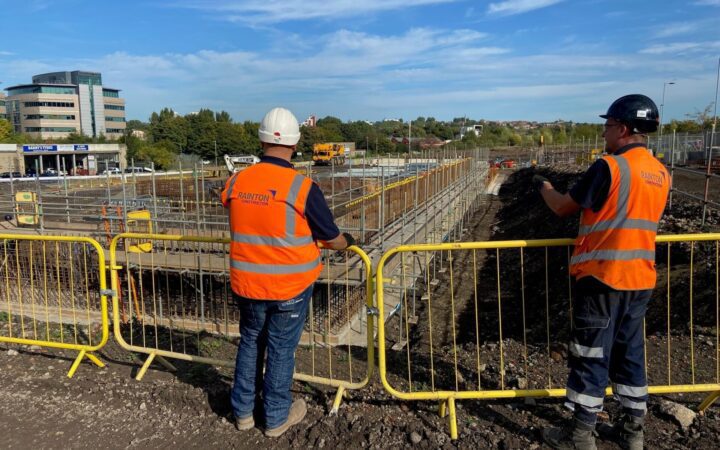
132 125
167 126
230 138
223 116
202 134
251 141
161 153
6 130
704 117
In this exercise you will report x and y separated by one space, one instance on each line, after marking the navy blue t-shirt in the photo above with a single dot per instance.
592 189
319 217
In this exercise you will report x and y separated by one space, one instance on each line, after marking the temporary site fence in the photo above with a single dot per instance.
53 294
493 318
172 300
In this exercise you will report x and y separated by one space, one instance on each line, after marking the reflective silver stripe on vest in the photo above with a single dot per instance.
624 193
288 241
630 391
290 205
275 269
584 399
582 351
232 185
619 223
613 255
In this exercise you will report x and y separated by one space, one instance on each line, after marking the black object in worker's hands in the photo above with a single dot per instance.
538 181
348 237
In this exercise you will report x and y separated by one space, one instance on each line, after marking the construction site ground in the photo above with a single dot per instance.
41 408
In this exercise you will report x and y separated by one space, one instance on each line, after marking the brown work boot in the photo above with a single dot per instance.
626 432
577 436
296 414
244 424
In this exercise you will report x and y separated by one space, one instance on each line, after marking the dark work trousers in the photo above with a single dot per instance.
607 344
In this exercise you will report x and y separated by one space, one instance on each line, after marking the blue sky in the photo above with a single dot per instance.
374 59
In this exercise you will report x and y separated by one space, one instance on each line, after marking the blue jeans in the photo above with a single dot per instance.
607 343
277 327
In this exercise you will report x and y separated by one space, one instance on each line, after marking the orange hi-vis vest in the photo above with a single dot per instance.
616 245
272 253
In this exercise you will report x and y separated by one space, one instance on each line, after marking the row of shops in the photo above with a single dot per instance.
58 159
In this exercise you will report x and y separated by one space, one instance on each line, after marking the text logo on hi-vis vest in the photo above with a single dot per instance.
655 179
253 198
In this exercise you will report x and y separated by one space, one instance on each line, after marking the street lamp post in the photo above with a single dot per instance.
662 106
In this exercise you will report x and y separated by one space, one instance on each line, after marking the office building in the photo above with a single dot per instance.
3 114
59 103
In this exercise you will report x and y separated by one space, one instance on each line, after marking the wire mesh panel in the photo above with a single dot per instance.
492 319
52 293
174 301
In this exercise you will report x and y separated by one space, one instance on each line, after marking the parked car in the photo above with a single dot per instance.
51 172
138 170
111 171
10 175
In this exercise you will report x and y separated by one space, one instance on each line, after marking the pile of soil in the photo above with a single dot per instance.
190 408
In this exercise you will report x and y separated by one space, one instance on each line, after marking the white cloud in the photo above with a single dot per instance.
5 53
675 29
511 7
681 47
353 75
708 2
274 11
695 28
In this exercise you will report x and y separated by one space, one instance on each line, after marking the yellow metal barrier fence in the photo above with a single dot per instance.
493 319
175 302
52 294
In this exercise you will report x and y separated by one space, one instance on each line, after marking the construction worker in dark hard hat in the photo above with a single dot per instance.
622 197
277 216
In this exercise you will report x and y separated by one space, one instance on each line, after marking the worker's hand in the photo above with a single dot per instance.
350 240
538 181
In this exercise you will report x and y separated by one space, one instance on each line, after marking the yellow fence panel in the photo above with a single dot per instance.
489 320
52 294
174 302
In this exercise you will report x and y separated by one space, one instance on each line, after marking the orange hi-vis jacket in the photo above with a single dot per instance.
616 245
272 253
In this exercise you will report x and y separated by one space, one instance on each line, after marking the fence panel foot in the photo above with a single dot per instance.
145 366
165 363
338 400
709 400
95 360
76 363
452 419
442 408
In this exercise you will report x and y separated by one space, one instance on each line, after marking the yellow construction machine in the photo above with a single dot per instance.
328 153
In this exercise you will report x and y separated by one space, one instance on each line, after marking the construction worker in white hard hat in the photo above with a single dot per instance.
277 216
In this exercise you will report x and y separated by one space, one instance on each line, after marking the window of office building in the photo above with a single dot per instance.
114 119
88 78
114 130
50 116
50 129
42 90
49 104
113 94
115 107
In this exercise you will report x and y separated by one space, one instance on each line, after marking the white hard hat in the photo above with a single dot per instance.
279 126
